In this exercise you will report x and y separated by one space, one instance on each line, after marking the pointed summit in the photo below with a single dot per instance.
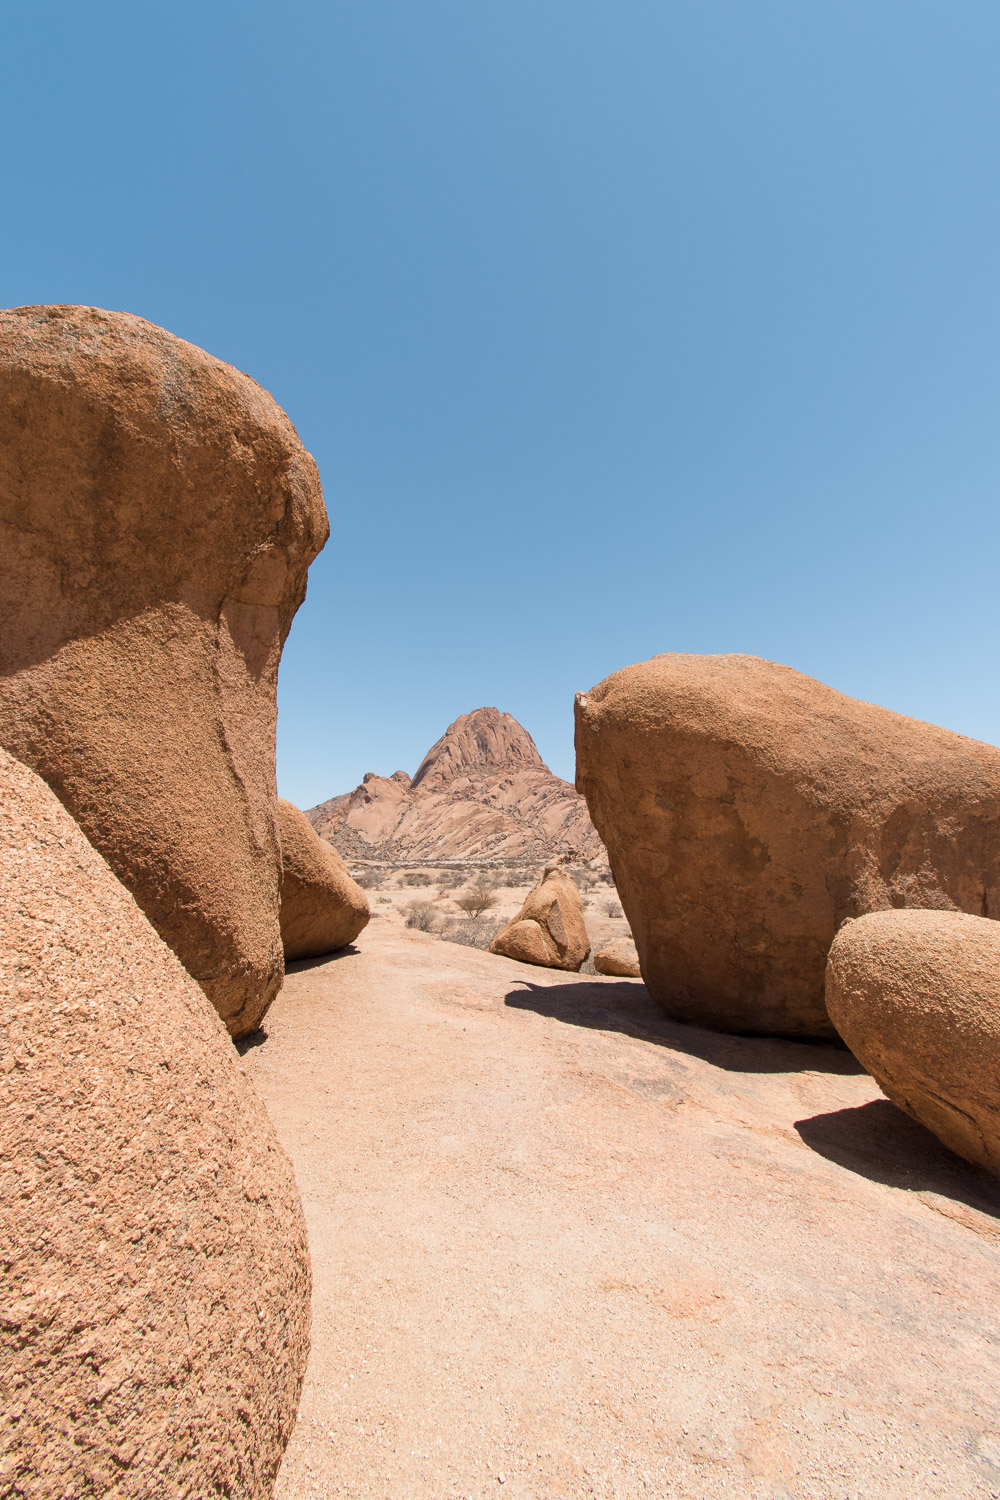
482 792
484 739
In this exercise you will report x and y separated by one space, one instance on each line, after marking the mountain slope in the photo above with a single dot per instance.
481 792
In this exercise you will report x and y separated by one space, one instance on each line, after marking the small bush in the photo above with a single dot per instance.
474 932
612 909
416 877
421 914
370 880
478 897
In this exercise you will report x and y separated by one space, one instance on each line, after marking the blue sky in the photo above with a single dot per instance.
615 328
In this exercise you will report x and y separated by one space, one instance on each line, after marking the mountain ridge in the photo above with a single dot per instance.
482 791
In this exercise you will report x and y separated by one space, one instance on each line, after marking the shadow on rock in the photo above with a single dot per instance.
627 1007
880 1142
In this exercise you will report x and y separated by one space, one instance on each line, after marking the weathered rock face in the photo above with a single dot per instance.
618 957
322 908
157 518
916 997
484 738
748 811
549 929
156 1309
482 791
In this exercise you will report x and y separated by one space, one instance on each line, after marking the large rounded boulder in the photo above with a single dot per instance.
916 997
549 929
156 1277
749 810
157 517
322 908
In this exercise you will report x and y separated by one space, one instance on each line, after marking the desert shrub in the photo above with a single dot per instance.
421 914
416 877
473 932
370 880
447 879
612 908
384 900
479 896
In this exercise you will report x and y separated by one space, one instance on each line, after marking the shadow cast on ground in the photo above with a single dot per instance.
300 965
628 1007
878 1141
875 1140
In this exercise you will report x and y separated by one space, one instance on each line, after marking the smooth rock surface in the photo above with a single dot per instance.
563 1240
155 1310
322 908
749 810
157 517
550 928
618 957
916 997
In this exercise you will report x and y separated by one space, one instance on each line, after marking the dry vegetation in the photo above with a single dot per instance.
468 904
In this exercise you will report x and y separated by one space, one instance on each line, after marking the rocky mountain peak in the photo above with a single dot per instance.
483 739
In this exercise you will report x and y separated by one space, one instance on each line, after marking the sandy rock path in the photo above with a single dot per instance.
563 1247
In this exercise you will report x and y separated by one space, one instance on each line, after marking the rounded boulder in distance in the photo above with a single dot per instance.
916 997
549 930
322 908
156 1275
748 811
158 515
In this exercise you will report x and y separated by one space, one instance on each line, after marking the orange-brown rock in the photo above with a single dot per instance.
157 517
156 1276
478 741
619 957
916 997
481 792
749 810
549 929
322 908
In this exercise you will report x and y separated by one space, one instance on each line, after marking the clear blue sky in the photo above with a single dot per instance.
615 327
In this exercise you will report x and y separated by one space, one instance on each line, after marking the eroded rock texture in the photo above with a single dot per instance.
916 997
749 810
157 517
322 908
549 929
156 1275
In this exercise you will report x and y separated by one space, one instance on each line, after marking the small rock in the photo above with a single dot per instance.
618 957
